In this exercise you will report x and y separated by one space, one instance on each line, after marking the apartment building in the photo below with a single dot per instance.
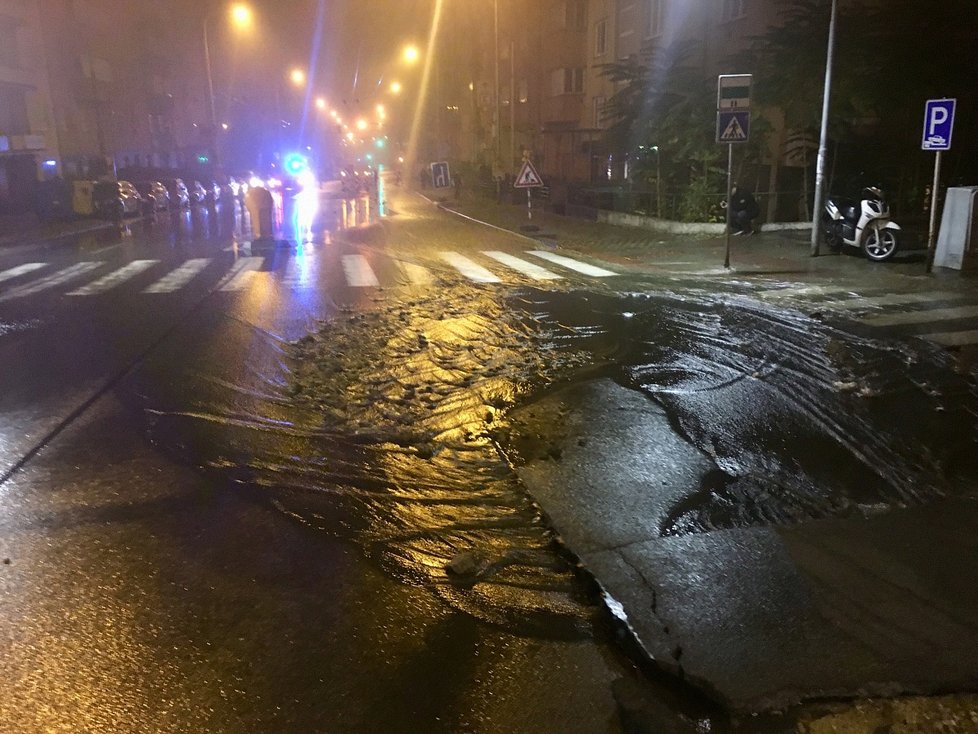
28 138
126 83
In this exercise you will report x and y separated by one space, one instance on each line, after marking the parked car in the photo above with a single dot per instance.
116 199
177 189
213 192
198 194
155 195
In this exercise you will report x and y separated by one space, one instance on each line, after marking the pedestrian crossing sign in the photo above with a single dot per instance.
733 127
528 177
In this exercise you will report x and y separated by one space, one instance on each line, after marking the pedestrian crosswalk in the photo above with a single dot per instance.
945 317
238 273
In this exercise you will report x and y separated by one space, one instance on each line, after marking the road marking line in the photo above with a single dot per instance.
527 268
55 279
358 272
469 269
417 274
953 338
115 278
922 317
802 291
574 265
20 270
894 299
179 277
241 274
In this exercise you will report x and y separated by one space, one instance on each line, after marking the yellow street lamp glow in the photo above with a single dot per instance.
349 136
396 87
411 54
241 15
298 77
361 124
380 110
320 103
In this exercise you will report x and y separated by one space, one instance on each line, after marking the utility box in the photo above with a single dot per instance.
957 243
83 197
260 206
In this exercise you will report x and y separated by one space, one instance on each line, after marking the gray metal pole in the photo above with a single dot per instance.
823 139
933 212
726 257
210 90
495 116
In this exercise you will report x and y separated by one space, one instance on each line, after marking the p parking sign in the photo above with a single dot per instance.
938 124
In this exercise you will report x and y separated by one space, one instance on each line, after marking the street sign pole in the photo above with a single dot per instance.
529 206
933 211
733 126
938 129
726 257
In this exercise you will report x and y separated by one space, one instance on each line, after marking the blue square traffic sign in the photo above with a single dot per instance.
938 124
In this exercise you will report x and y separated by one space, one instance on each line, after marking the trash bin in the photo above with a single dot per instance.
260 207
957 243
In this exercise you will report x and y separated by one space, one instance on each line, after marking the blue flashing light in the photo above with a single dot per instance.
295 164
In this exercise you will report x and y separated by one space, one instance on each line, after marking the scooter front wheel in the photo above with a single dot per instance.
880 244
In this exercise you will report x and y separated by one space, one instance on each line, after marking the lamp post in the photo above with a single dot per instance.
241 16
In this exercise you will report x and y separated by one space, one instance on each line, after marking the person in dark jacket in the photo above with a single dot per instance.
743 210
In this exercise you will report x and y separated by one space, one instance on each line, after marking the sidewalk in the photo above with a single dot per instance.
763 617
26 229
778 254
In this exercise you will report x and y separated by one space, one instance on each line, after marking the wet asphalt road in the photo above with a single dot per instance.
153 583
259 488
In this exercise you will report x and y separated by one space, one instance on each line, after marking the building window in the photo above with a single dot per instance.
599 103
732 9
9 55
575 15
653 27
601 37
566 81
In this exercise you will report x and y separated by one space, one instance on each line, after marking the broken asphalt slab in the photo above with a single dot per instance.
760 617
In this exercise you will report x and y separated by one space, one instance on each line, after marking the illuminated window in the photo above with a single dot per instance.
601 37
654 26
732 9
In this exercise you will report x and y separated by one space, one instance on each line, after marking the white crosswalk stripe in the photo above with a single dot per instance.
358 272
179 277
417 274
893 299
20 270
52 281
566 262
803 291
953 338
471 270
107 282
241 274
518 264
922 317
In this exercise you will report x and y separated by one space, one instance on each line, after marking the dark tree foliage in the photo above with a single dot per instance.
891 56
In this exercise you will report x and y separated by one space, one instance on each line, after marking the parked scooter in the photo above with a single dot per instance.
864 224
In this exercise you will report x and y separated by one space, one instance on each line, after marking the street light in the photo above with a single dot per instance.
396 87
411 54
241 17
297 76
658 183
